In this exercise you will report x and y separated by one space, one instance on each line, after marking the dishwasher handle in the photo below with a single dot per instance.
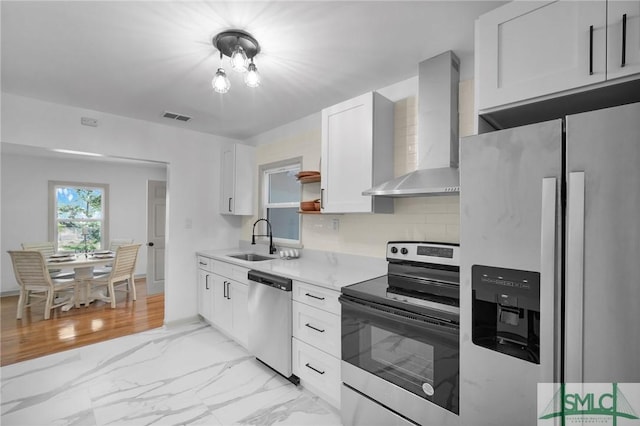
281 283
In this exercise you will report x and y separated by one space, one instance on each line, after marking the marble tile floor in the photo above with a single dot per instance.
182 375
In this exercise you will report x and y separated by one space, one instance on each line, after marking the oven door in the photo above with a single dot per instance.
416 352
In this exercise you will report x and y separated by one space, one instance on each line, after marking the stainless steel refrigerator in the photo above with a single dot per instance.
550 261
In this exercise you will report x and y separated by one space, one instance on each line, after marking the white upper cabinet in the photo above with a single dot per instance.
238 165
526 50
357 153
623 38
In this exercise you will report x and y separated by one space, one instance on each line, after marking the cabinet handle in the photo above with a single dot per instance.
624 40
591 50
203 263
321 198
314 369
228 296
313 328
229 204
314 297
206 282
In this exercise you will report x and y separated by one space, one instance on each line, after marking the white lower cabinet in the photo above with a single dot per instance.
223 297
230 308
205 291
318 328
318 371
317 340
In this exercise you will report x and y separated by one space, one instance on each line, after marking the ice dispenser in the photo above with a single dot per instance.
506 311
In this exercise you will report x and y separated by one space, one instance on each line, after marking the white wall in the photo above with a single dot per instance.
25 212
420 218
193 163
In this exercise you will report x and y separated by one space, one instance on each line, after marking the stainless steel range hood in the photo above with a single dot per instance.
437 145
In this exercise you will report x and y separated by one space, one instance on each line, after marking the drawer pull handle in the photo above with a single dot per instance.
203 263
313 328
315 297
314 369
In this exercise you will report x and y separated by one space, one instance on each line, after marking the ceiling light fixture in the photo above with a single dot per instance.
241 47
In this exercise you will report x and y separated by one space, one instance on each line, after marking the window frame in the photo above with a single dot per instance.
265 171
53 208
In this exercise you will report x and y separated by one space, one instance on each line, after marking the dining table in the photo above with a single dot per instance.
83 265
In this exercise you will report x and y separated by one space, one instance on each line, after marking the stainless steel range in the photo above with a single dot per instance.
400 339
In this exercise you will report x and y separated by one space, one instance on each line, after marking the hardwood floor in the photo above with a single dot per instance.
32 336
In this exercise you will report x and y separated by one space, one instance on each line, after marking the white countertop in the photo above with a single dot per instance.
326 269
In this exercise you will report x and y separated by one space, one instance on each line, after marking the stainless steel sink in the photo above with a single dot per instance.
250 257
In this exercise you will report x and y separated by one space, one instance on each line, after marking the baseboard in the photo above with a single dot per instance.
182 321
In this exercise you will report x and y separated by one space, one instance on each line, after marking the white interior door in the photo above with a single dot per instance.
156 217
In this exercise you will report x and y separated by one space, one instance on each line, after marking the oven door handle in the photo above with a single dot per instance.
392 314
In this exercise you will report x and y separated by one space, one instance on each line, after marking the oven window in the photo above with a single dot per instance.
420 356
401 356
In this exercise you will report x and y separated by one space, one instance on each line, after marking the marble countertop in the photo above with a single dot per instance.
326 269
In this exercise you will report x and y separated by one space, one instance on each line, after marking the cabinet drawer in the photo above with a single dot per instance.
318 328
205 263
229 270
319 297
318 371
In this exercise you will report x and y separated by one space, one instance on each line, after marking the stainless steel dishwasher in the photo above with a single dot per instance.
270 321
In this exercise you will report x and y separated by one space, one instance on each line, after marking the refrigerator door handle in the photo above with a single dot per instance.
574 292
549 337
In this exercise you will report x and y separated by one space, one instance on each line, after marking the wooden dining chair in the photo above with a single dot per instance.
48 249
31 272
113 246
122 272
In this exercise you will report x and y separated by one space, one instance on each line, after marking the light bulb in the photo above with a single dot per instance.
239 59
220 82
252 78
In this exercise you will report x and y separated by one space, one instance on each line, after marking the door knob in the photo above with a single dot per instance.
150 244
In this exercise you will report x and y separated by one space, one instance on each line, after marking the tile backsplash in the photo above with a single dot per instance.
435 218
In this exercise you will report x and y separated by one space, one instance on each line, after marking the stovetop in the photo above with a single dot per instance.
422 278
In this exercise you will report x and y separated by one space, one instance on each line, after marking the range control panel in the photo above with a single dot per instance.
427 252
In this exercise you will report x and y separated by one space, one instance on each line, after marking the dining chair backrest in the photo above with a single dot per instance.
124 262
47 248
30 269
117 242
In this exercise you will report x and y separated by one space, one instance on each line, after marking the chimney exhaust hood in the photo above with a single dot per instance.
437 144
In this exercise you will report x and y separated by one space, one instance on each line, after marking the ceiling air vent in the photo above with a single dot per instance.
174 116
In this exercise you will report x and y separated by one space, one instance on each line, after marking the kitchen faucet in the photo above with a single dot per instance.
272 248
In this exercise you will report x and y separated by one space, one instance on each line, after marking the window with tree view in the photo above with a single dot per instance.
79 216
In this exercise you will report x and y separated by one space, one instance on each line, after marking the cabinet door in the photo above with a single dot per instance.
531 49
239 294
238 165
347 155
228 182
621 35
205 294
221 303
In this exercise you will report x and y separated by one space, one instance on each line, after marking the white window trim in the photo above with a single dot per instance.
53 222
265 170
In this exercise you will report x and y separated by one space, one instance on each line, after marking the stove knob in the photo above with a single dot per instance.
394 250
404 250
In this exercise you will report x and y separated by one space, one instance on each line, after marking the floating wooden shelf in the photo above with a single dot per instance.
309 212
310 179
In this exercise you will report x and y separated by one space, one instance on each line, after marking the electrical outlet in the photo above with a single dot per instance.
335 224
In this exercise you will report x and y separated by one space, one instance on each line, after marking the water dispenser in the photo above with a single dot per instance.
506 311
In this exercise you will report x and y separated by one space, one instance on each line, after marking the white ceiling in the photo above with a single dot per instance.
141 58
